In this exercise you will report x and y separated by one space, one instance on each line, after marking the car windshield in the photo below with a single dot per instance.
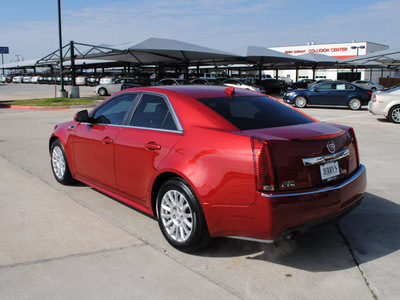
256 112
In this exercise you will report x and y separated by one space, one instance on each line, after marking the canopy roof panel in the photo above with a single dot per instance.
387 57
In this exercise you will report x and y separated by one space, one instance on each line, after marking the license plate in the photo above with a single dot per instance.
329 170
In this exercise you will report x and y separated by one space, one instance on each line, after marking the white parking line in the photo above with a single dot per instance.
367 123
351 116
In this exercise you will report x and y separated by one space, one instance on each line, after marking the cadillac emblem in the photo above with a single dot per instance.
331 147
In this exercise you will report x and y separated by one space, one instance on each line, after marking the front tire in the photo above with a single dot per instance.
181 217
300 102
354 104
394 114
59 164
102 92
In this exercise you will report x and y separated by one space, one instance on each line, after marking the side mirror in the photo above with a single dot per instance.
82 116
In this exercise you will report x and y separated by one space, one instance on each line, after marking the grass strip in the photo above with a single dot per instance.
54 102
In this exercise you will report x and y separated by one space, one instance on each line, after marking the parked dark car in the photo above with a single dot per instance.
247 84
9 78
273 86
139 82
330 93
302 84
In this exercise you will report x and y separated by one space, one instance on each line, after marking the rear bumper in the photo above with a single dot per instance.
274 216
377 108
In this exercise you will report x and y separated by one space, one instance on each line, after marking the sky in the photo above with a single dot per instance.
30 29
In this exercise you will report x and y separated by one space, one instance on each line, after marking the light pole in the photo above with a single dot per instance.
358 48
62 93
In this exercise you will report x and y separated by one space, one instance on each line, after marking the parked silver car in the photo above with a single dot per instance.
368 85
113 87
386 103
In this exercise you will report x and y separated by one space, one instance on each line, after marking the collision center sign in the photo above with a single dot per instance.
4 50
338 50
318 50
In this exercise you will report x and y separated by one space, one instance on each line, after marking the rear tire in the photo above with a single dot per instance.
300 102
181 217
354 104
394 114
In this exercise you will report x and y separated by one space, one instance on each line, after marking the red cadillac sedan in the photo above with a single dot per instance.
210 161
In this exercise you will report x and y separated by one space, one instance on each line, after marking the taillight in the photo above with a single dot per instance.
370 93
353 135
374 99
265 179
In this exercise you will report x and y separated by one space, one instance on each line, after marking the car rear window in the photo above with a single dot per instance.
247 113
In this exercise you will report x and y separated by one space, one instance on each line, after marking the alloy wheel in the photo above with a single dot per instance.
176 215
58 162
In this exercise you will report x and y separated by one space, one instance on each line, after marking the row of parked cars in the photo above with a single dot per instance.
268 86
48 79
354 95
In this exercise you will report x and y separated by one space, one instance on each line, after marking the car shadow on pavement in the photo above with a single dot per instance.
369 232
331 107
383 120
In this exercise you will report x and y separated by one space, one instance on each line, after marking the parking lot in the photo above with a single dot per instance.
63 242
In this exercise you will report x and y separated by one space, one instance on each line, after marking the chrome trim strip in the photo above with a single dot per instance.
326 158
135 127
327 189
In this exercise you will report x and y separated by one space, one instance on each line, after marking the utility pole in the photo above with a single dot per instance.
62 92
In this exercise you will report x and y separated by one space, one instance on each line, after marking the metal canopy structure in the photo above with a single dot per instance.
167 51
321 60
267 56
160 53
80 50
153 51
261 58
385 57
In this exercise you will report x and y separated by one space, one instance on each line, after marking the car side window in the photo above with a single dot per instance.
349 87
341 86
153 112
168 82
326 86
113 111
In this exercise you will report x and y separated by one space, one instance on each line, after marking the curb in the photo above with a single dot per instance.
33 107
61 107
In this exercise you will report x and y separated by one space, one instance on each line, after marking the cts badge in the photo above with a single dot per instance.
331 147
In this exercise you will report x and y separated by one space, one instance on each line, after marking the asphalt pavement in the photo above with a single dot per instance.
73 242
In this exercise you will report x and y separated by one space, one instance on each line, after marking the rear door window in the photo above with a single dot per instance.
153 112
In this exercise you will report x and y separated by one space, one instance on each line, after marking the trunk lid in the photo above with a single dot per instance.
309 155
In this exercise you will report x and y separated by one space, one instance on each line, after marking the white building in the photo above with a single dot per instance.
338 50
